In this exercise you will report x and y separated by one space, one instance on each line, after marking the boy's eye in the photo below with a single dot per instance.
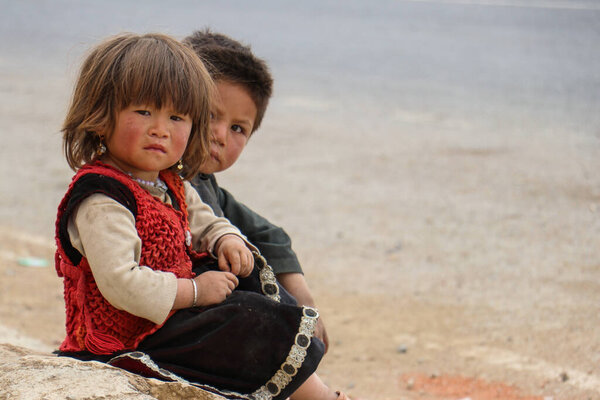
237 128
143 112
176 118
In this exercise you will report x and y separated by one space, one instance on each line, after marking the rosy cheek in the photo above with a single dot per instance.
182 141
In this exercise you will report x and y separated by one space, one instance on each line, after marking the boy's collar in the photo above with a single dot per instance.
204 176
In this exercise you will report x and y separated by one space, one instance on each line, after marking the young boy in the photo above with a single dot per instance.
244 86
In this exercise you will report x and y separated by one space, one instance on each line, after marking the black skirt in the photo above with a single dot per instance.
257 344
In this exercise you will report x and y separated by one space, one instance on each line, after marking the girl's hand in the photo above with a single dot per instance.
214 287
234 256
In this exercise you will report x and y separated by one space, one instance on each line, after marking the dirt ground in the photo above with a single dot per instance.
385 348
444 268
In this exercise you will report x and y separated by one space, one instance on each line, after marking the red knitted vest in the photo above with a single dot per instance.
92 323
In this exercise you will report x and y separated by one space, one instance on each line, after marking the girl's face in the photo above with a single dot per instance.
147 140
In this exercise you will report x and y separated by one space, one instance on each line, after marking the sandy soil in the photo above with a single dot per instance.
383 347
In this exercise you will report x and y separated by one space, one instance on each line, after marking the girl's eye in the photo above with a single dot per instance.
181 117
143 112
237 128
212 115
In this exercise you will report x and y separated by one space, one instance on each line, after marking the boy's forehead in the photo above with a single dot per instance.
227 88
226 82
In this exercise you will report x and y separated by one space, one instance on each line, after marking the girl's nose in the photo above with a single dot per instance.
159 127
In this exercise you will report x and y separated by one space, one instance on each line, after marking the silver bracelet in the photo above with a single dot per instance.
195 292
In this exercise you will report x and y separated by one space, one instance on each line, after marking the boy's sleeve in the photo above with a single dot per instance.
272 241
205 226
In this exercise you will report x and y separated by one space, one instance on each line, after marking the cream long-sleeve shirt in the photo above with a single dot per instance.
104 232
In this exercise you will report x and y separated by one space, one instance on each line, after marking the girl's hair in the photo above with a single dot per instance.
151 69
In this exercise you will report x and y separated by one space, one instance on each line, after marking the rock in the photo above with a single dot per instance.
564 377
29 375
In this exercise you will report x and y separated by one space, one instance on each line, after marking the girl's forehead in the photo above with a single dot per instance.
167 105
157 95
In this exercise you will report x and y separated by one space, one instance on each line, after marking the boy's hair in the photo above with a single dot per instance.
151 69
229 60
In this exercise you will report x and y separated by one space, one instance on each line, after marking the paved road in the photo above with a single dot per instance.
538 59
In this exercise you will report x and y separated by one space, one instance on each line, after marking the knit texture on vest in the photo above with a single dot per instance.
92 323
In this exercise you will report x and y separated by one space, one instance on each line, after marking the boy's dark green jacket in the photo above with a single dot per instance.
272 241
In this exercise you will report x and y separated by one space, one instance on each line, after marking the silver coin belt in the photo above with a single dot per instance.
295 358
268 282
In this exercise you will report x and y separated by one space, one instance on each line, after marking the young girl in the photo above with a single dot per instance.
135 243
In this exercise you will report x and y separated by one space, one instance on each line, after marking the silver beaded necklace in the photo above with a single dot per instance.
158 183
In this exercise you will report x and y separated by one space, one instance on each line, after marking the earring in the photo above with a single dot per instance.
101 148
179 165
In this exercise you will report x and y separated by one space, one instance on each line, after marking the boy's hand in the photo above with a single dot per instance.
234 256
214 287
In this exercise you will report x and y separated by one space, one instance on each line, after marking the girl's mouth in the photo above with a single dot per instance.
156 147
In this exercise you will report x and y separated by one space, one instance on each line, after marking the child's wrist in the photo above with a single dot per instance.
195 292
225 237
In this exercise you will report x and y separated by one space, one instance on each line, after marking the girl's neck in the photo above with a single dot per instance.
146 177
158 183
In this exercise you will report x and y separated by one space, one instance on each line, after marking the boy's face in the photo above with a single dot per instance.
232 120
